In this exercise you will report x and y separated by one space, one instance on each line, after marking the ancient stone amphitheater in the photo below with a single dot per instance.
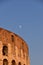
13 49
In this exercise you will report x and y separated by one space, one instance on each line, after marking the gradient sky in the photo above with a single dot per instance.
25 18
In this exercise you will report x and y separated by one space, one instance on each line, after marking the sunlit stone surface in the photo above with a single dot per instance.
13 49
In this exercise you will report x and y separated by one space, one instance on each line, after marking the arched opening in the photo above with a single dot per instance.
5 50
19 63
13 62
5 62
12 37
24 64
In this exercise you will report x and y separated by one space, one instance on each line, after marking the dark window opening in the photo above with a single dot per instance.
5 62
19 63
24 64
12 38
13 62
5 50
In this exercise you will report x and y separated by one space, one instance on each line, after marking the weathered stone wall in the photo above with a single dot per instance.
17 48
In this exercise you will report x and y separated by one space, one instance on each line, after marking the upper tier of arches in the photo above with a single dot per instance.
10 37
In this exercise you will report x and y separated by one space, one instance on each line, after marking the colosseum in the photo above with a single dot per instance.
13 49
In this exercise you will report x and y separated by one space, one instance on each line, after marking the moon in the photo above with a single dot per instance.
20 26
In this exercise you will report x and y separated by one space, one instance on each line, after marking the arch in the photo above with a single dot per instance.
5 62
24 64
13 62
12 37
19 63
5 50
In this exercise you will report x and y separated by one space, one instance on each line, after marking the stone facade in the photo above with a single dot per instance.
13 49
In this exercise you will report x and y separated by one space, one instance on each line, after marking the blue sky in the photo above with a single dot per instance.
28 14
